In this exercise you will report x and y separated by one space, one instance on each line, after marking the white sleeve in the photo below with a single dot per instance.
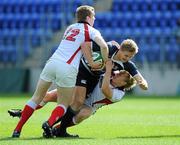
94 33
117 95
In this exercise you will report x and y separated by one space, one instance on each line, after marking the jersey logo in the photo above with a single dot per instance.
84 81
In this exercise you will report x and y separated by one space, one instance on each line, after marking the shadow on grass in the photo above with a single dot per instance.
42 138
15 139
153 136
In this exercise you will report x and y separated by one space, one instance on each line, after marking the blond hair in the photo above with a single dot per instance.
129 45
83 11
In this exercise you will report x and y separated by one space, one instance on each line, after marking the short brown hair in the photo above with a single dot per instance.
83 11
129 45
130 81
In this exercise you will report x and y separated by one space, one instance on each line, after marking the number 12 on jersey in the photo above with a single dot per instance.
71 34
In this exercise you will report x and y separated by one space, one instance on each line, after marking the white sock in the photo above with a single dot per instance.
31 104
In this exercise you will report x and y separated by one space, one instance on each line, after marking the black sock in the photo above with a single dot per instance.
66 120
59 120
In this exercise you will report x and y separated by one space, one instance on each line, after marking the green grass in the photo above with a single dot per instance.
133 121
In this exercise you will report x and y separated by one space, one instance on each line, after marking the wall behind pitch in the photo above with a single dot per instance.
14 80
166 82
161 81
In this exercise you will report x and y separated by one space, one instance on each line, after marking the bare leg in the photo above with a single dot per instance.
31 105
84 113
79 97
51 96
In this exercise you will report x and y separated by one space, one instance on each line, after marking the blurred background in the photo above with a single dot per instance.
31 30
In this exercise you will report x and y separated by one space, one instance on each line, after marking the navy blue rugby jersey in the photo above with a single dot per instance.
118 65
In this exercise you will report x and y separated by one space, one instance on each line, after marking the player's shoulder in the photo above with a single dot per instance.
76 25
112 50
130 64
93 29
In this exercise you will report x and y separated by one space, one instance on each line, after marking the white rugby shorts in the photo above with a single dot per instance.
63 74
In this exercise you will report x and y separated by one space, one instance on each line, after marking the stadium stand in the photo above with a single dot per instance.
151 23
25 23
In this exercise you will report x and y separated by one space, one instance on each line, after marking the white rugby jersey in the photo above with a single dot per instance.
69 50
97 99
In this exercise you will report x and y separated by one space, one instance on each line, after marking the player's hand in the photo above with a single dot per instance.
143 85
96 66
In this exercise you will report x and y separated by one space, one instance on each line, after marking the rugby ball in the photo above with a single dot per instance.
98 58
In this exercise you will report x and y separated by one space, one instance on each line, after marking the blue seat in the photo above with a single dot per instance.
174 6
171 52
143 6
154 6
116 6
163 6
4 55
100 17
153 53
12 53
140 57
56 22
2 49
107 33
108 20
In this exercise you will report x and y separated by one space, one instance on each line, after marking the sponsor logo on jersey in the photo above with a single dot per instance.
84 81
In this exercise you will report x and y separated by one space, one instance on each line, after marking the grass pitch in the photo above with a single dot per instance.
133 121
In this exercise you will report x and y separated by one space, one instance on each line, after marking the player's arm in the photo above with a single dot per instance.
104 48
106 90
87 52
132 69
141 81
95 35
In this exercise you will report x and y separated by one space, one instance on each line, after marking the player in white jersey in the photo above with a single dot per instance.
62 68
